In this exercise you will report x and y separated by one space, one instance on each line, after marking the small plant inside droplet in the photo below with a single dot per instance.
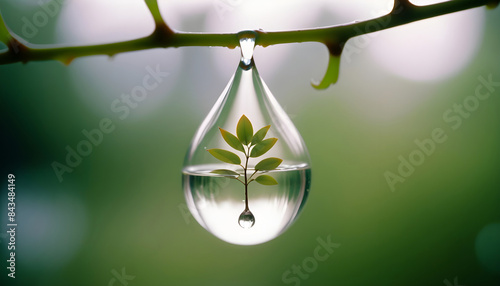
252 146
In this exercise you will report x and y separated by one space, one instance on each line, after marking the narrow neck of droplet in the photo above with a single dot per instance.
247 45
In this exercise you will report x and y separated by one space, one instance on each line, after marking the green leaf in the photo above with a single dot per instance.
225 172
264 146
259 135
225 156
231 140
268 164
266 180
244 130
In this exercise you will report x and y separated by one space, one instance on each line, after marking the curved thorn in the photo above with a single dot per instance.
332 71
331 75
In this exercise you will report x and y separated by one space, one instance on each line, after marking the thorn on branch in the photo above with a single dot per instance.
332 71
66 60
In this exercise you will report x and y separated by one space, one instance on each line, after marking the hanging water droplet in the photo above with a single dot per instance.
247 45
217 190
246 219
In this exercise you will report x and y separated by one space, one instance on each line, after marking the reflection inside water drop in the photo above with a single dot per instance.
246 219
215 200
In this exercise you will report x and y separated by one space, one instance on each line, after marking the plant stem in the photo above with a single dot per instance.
246 179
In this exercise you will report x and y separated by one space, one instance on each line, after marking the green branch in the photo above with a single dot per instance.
334 37
155 11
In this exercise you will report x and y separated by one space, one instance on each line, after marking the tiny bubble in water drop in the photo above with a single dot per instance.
246 219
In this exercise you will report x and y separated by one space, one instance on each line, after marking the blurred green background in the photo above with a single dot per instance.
122 209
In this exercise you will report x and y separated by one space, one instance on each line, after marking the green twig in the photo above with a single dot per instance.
247 142
334 37
155 11
246 178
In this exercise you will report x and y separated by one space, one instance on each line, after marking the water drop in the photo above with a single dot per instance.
246 219
247 45
215 190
